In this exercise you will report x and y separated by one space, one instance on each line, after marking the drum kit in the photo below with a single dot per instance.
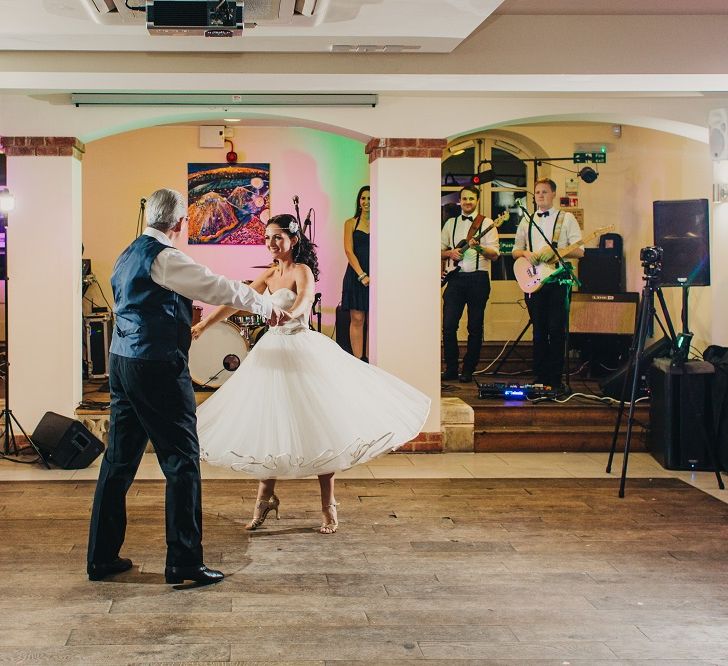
217 354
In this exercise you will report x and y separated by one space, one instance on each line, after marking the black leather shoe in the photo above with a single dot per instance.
99 571
449 375
199 574
466 377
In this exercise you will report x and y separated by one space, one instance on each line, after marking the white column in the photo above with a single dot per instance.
718 264
404 313
44 288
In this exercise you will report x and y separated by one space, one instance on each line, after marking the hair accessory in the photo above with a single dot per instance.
293 227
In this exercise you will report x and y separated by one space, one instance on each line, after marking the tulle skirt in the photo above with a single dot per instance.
299 406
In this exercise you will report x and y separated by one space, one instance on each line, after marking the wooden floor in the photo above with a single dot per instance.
437 571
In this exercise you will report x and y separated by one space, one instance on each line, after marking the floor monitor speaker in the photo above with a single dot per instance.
612 384
66 442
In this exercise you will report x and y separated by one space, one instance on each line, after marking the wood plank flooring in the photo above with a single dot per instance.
436 571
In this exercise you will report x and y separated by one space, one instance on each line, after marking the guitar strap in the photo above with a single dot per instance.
477 223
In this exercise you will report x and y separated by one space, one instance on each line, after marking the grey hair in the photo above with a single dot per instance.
164 209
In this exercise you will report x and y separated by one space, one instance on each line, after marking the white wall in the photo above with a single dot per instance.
405 311
44 259
324 170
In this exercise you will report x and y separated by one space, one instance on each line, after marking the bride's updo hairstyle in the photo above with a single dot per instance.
304 252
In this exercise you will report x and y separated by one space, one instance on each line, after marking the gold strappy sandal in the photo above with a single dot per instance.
263 508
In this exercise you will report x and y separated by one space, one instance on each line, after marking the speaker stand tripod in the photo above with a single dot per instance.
645 319
10 446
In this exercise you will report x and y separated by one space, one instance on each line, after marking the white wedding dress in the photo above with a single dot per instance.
299 405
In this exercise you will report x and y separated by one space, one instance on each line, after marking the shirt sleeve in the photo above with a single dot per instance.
446 234
520 242
491 238
177 272
573 232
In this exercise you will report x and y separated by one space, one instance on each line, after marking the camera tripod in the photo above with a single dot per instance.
645 318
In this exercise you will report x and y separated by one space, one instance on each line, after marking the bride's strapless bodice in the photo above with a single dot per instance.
284 298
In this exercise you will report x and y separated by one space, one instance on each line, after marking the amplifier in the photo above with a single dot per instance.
610 314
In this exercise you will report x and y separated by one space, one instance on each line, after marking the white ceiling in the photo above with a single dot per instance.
388 26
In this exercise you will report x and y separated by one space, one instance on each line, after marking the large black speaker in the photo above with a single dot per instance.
601 271
66 442
682 230
680 414
612 384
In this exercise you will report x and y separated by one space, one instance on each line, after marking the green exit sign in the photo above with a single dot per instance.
594 158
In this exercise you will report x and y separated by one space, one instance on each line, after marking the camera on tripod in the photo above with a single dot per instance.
651 258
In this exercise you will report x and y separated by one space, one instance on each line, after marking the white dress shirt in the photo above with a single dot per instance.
470 261
175 271
570 232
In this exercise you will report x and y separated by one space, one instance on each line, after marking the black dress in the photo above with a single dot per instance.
354 295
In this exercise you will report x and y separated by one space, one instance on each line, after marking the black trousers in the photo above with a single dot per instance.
471 290
547 308
150 400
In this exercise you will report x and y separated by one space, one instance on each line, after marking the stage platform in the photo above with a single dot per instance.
474 424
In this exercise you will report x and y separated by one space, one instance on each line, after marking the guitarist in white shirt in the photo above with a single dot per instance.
547 306
469 286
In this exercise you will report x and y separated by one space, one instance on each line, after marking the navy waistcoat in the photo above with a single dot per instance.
151 322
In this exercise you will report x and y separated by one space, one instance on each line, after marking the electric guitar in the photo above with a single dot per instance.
464 244
531 278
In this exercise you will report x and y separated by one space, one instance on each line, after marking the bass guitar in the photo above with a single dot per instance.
532 277
464 244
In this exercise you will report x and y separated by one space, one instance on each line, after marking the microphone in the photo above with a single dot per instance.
295 200
143 202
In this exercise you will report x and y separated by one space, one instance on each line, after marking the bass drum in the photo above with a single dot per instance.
216 354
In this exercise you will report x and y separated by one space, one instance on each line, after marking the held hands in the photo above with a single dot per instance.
278 317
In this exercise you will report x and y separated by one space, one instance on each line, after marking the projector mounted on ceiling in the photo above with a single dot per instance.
208 18
263 13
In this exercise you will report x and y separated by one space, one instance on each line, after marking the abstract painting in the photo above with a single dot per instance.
228 204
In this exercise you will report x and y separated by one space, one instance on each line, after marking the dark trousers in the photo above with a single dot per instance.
150 400
471 290
547 308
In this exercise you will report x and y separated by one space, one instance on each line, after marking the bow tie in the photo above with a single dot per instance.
544 214
469 219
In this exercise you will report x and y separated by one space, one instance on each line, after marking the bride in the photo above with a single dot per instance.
299 405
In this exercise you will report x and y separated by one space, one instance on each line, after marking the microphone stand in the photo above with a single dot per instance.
569 282
295 205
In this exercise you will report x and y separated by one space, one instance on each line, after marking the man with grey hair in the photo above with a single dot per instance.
152 398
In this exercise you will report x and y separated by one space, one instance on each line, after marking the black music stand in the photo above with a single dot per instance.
10 446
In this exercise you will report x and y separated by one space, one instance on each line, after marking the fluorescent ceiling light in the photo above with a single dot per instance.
223 100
